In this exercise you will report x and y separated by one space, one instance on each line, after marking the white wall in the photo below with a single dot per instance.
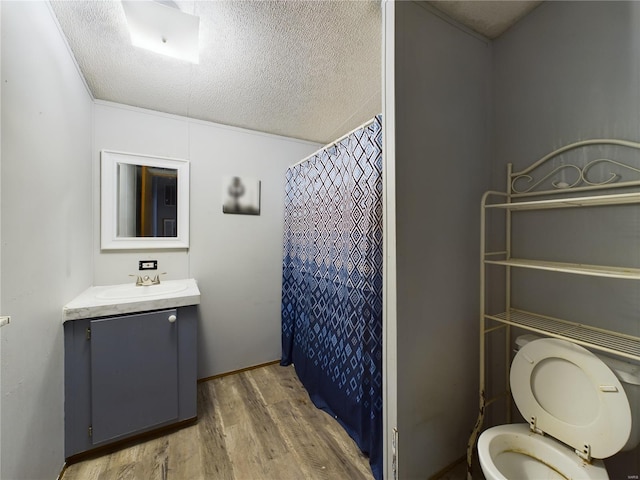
442 107
570 71
389 297
46 231
236 259
0 250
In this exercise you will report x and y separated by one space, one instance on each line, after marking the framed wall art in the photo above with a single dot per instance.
240 195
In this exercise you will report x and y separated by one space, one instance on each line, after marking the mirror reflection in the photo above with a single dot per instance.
144 202
147 201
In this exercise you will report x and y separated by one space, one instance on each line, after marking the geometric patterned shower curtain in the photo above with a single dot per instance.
332 283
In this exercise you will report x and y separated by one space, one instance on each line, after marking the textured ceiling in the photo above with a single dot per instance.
488 18
308 70
303 69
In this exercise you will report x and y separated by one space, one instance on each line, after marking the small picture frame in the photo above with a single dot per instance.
240 195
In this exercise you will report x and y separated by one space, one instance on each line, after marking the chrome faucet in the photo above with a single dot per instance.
145 281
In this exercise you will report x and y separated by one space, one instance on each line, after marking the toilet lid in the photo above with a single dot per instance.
573 396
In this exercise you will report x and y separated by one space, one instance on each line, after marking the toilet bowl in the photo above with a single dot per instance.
579 411
514 452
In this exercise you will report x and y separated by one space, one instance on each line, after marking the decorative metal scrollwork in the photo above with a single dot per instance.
551 174
582 176
523 182
614 176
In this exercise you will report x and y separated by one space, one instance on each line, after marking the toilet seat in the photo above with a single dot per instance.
568 393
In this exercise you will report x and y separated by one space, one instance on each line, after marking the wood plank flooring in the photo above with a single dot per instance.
254 425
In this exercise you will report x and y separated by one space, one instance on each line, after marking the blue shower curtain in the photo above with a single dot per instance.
332 283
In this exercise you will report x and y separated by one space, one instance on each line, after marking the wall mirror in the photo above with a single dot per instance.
144 201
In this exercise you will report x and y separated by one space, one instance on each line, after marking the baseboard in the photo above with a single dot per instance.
64 468
220 375
448 468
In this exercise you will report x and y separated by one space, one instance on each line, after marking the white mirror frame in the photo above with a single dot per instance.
109 202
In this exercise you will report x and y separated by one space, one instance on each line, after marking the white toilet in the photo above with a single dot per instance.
579 406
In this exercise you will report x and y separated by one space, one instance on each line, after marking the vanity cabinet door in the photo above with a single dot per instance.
134 373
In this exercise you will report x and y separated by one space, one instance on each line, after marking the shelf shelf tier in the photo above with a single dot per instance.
614 343
594 200
575 268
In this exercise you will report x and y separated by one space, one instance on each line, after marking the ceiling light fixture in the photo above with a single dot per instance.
162 28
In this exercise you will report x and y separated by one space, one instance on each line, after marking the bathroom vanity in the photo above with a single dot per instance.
130 362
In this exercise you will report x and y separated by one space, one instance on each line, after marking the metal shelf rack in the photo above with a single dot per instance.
541 187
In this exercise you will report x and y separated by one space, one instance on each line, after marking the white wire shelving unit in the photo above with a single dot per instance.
540 187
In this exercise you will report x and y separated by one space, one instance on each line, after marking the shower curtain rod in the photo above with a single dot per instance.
365 124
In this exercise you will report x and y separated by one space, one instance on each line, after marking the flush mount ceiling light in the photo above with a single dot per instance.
162 28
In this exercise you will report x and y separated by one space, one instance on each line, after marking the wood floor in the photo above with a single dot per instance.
254 425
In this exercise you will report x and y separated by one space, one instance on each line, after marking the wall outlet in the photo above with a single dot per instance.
148 265
5 321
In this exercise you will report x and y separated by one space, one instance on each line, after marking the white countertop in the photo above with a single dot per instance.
103 301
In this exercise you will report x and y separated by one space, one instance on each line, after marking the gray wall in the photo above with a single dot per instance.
46 231
442 96
570 71
236 259
579 80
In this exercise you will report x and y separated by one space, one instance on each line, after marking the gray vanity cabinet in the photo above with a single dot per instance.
134 373
126 375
